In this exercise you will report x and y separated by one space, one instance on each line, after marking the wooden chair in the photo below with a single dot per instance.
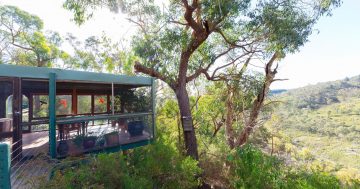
121 124
65 129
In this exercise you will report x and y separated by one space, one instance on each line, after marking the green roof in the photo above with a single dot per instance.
7 70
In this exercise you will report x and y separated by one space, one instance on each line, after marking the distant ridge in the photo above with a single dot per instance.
324 119
277 91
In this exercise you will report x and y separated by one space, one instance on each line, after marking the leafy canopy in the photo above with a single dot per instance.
236 29
22 40
99 54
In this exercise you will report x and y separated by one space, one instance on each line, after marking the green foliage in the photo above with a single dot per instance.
12 16
312 180
25 43
320 123
156 165
254 169
105 171
99 54
270 25
162 165
166 167
183 40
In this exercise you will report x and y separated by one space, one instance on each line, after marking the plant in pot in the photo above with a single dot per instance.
135 128
89 142
112 138
78 140
74 148
62 148
76 145
100 141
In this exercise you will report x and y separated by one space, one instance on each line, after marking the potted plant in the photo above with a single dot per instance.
85 141
89 142
112 138
62 148
78 140
135 128
75 146
100 141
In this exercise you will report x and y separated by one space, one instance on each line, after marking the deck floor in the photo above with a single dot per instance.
29 173
35 143
38 142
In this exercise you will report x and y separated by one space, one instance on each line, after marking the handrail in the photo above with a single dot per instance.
99 117
70 120
40 122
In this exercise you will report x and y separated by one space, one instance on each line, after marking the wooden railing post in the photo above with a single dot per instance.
52 115
153 103
5 166
17 120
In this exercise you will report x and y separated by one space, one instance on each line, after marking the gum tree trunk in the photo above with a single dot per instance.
229 131
188 127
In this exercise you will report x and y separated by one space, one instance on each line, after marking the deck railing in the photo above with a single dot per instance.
77 135
5 166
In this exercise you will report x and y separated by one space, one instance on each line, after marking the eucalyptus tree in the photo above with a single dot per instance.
100 54
22 40
180 40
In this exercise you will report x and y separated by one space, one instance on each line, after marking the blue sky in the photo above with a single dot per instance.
332 54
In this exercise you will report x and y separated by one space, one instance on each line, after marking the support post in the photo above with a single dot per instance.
93 107
31 109
153 103
52 114
108 103
5 166
74 101
112 99
17 116
2 104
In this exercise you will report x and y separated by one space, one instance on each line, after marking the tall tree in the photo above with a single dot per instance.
22 40
99 54
183 39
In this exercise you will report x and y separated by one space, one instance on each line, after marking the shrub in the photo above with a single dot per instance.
311 180
155 165
254 169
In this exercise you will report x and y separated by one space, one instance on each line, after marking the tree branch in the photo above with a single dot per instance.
153 73
202 70
233 43
178 22
280 80
258 102
232 62
189 18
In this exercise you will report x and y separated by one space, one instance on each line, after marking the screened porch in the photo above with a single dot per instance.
70 113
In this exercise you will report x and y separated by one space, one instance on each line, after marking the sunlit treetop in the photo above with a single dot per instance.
180 40
231 28
22 40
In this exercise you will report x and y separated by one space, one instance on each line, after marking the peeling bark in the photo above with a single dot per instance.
229 131
185 112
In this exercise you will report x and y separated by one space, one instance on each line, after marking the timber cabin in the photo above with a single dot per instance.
69 113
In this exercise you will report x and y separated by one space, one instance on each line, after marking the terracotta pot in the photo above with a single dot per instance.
74 150
112 139
62 148
135 128
89 142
